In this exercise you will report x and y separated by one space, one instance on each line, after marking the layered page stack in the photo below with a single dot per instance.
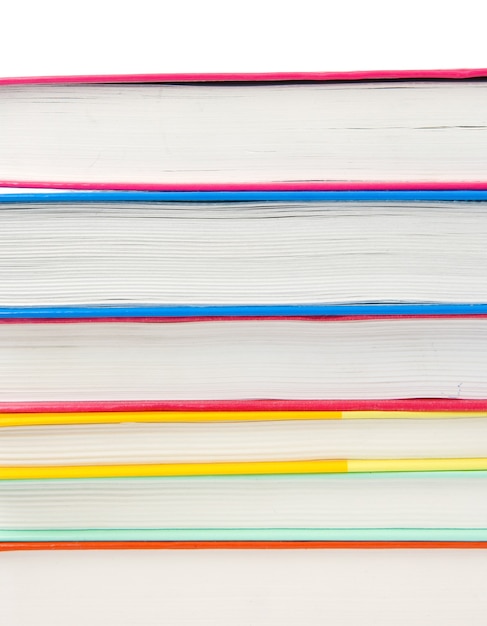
275 331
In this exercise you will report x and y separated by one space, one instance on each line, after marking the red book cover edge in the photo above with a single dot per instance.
240 545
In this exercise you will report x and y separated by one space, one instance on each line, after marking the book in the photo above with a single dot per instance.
272 131
240 253
390 506
298 359
241 442
374 586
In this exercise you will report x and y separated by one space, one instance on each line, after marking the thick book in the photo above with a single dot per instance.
242 253
390 506
238 448
244 359
373 587
274 131
241 441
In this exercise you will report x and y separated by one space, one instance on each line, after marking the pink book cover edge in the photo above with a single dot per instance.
442 74
401 404
445 74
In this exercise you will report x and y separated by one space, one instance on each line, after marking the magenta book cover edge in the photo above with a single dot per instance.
412 185
234 318
460 73
400 404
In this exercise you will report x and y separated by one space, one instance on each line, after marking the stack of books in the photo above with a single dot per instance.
259 314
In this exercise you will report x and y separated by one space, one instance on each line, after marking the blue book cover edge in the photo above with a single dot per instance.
141 311
244 196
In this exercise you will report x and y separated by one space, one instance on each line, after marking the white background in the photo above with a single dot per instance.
56 37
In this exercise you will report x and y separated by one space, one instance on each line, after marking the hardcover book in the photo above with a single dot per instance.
274 131
242 253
